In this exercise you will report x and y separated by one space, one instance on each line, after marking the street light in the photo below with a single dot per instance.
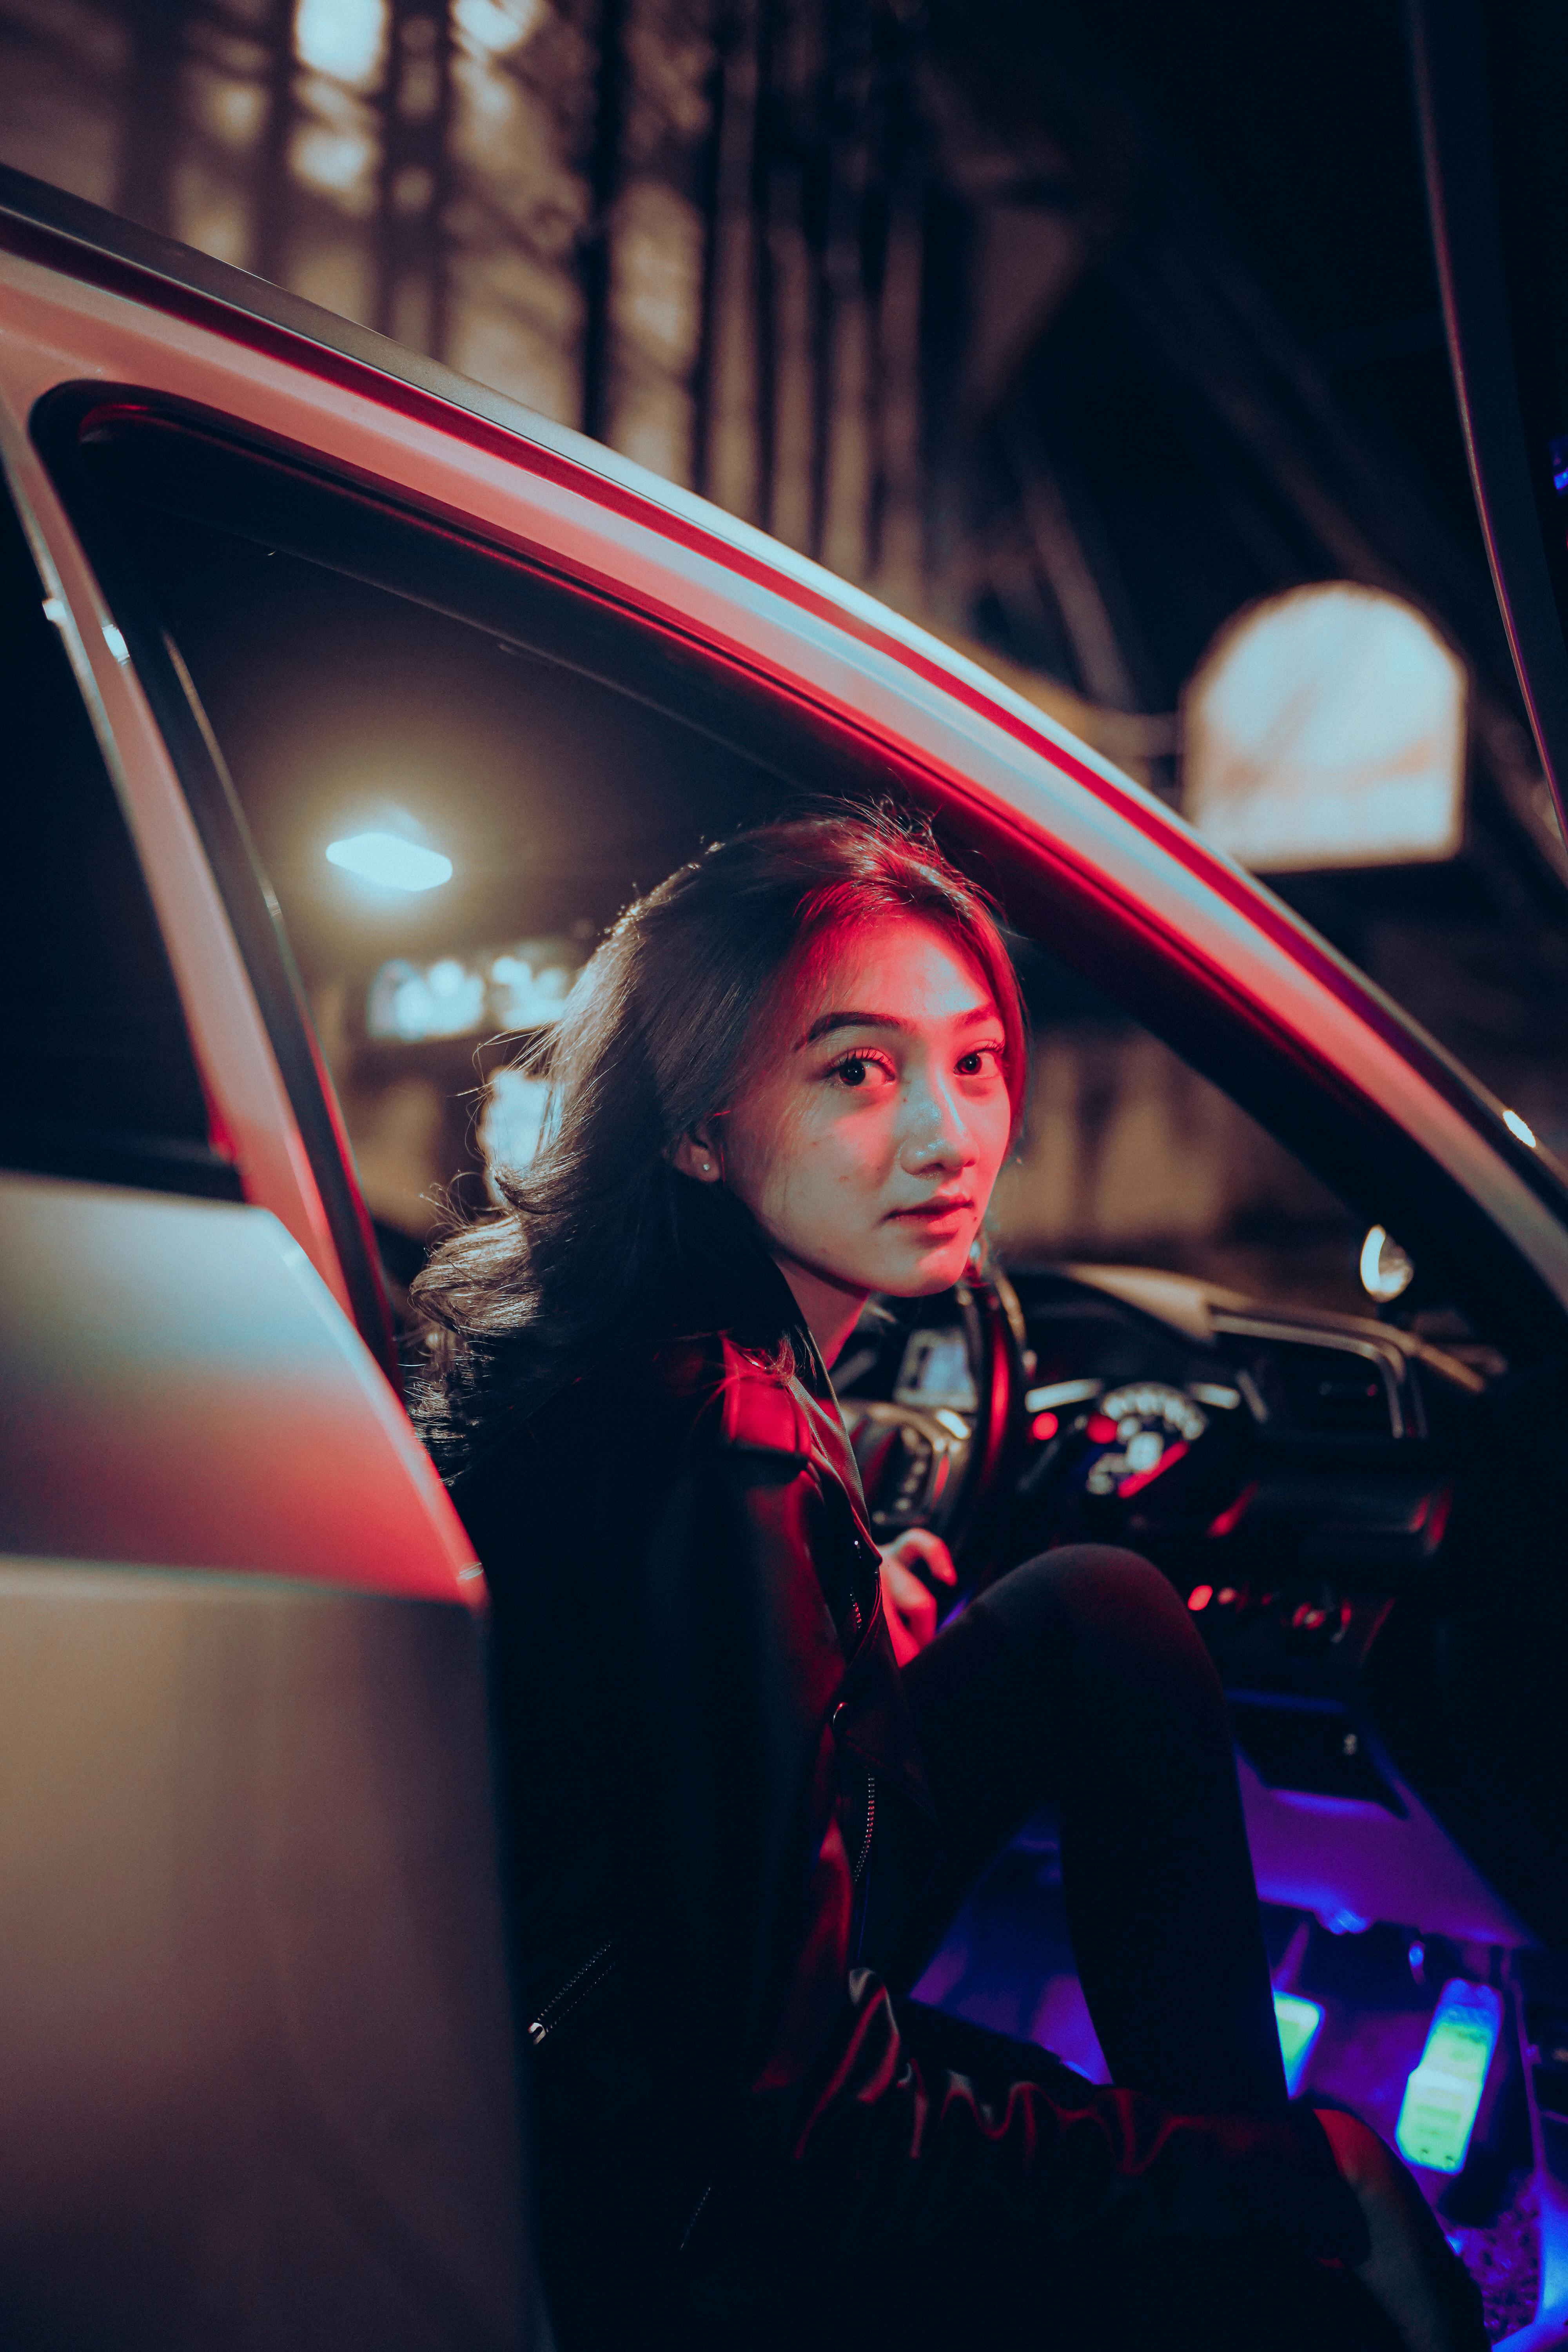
390 860
1326 728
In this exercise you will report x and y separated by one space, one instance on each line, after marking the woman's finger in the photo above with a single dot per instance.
911 1610
919 1543
905 1589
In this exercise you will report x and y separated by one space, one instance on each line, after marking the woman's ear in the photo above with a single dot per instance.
696 1154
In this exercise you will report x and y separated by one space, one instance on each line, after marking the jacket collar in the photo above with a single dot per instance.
729 1282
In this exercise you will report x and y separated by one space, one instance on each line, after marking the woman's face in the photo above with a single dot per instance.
867 1143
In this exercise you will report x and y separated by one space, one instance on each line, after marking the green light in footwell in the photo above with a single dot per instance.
1299 2023
1443 2096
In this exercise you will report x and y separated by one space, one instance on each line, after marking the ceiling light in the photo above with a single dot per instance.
389 859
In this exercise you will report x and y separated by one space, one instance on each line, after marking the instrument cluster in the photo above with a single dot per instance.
1277 1463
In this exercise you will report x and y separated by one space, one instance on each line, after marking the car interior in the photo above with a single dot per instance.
1213 1324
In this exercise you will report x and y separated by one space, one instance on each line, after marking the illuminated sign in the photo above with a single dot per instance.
1327 728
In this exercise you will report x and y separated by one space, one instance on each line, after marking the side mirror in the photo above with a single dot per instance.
1385 1270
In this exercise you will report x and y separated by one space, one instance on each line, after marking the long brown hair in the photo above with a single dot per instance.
588 1248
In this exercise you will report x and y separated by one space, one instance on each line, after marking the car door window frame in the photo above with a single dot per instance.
146 1153
393 540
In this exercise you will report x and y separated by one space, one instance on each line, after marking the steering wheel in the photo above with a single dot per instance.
939 1467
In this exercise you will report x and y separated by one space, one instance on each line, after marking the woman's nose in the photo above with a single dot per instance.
934 1132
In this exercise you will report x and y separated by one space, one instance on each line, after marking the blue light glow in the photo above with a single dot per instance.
1300 2022
1443 2096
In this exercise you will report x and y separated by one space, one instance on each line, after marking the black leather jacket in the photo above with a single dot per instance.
707 1758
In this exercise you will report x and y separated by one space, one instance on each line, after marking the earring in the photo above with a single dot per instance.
708 1168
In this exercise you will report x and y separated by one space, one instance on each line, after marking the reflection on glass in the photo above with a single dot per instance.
443 1000
345 38
528 986
520 987
513 1127
496 27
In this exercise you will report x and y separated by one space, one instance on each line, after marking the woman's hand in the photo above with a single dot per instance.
910 1604
1411 2271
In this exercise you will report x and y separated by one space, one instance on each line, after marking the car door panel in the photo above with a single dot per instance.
183 1390
258 2065
255 2074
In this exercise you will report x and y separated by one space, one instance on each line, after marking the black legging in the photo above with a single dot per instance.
1080 1679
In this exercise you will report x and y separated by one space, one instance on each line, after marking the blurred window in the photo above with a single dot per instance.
457 770
452 772
96 1073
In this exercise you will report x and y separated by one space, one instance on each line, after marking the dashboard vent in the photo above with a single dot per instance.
1334 1392
1320 1391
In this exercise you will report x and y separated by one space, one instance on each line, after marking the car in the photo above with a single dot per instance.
261 568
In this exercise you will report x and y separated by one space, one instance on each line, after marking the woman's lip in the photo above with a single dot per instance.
934 1210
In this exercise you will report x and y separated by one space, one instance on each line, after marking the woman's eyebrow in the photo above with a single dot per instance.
830 1022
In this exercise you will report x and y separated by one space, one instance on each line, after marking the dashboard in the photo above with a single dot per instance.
1291 1471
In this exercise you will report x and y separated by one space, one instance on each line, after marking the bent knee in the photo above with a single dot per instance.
1096 1592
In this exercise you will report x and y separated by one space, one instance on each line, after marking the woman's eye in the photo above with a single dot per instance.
861 1070
981 1061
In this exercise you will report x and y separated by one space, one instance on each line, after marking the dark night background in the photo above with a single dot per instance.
1070 331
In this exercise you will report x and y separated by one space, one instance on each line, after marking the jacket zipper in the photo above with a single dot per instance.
691 2229
871 1823
576 1989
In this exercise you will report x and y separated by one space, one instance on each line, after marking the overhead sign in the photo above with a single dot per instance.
1327 728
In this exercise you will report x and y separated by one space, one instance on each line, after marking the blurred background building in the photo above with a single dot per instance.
1091 334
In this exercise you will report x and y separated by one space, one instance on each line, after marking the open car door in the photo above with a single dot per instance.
257 2078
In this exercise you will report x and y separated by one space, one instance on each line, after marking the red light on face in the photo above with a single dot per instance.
1101 1429
1044 1425
1199 1596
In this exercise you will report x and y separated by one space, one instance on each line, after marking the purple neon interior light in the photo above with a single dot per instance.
1008 1964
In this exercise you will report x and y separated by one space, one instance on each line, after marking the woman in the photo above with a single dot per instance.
787 1080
